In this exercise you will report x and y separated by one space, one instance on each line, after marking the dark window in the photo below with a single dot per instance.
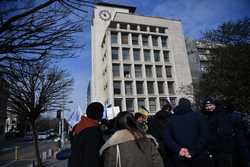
163 101
158 71
116 70
155 40
150 87
166 56
127 71
136 53
149 73
133 27
141 102
143 28
115 54
124 38
130 104
152 105
114 39
171 88
164 41
128 88
161 30
145 40
135 39
168 71
138 71
147 56
139 87
123 26
152 29
157 55
117 87
112 25
118 102
125 54
161 87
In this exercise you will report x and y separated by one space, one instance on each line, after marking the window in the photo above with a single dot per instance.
139 87
123 26
164 41
114 39
161 87
147 56
145 40
157 55
133 27
136 53
115 54
138 71
166 56
125 54
171 88
143 28
113 25
150 87
141 102
168 71
161 30
152 105
130 104
124 38
116 70
118 102
158 71
127 71
149 73
117 87
163 101
155 40
152 29
135 39
128 88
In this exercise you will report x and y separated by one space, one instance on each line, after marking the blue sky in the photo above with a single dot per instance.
196 15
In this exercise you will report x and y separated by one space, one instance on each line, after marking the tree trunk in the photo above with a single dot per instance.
35 140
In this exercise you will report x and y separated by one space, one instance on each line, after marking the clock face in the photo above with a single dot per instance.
105 15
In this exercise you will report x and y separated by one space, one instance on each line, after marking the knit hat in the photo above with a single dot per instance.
142 110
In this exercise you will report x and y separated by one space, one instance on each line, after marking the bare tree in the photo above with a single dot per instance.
33 31
34 89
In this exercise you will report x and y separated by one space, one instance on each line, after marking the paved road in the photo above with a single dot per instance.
27 153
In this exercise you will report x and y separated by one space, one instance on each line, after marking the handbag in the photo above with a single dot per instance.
118 157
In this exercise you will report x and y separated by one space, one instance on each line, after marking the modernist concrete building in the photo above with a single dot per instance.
137 60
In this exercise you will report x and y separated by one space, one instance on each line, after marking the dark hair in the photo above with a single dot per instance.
167 106
95 111
184 102
126 120
138 115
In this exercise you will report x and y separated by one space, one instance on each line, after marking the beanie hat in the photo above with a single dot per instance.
95 110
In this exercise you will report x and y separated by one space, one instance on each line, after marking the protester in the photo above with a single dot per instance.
157 126
141 118
221 133
186 136
129 146
88 139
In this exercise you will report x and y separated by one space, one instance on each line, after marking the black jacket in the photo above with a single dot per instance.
85 148
187 129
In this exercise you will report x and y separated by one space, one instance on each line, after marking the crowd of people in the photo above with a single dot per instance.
215 136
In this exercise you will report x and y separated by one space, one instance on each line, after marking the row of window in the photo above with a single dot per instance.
130 102
137 56
136 38
136 27
140 87
138 71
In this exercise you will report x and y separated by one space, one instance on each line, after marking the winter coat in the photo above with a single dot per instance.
86 144
187 129
221 131
131 155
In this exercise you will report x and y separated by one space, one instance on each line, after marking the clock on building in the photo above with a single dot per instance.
105 15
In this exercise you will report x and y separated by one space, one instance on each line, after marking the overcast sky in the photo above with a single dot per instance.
196 15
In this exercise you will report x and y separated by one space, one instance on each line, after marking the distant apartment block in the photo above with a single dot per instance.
136 60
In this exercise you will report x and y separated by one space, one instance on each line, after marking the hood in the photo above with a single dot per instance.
181 110
122 136
85 123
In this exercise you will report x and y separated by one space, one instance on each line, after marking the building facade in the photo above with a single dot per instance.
137 60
